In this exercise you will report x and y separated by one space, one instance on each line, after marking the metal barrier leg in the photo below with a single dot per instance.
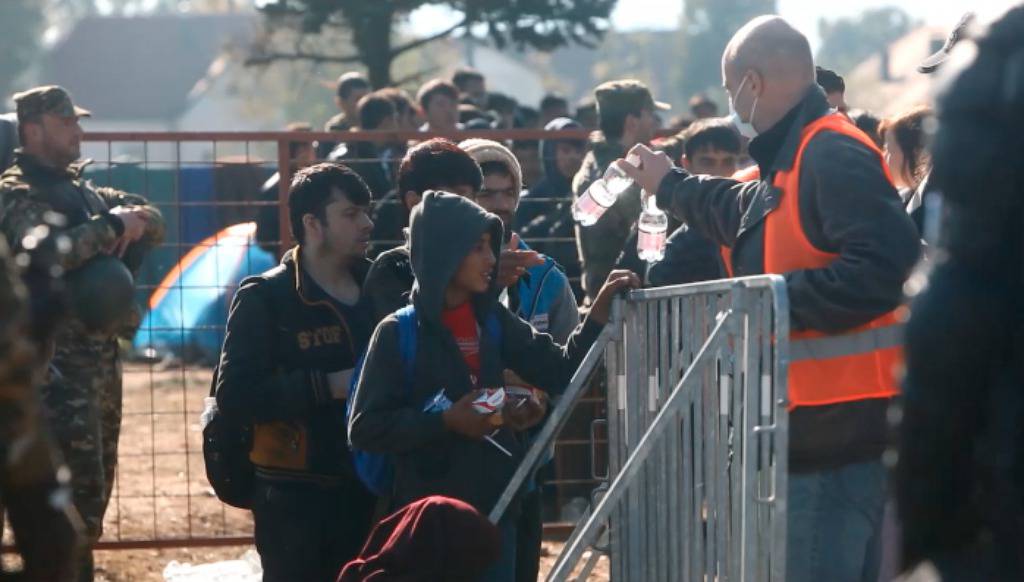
584 536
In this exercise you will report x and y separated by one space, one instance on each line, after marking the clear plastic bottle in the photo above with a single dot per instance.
653 230
603 193
592 205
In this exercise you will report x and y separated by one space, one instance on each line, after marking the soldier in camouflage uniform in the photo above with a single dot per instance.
33 483
82 394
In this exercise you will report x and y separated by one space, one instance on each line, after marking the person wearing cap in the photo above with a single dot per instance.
82 393
541 296
826 216
350 88
626 116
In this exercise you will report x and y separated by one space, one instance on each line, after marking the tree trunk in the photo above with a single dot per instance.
371 34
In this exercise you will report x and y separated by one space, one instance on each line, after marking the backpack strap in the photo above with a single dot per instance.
408 329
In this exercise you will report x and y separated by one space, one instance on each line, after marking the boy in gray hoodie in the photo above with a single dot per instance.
454 247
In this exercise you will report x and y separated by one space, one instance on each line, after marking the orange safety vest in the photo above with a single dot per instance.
858 364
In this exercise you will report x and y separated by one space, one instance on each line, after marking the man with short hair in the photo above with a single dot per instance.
626 113
293 337
471 85
711 146
505 108
826 216
82 395
552 107
376 113
834 87
436 164
702 107
350 88
439 102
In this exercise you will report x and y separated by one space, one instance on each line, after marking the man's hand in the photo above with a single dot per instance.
339 383
463 419
616 281
514 262
525 413
134 219
653 168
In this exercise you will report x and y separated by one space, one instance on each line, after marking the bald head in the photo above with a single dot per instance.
774 60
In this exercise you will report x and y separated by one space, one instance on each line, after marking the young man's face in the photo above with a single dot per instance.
500 197
442 112
58 140
712 161
350 104
344 234
477 268
568 158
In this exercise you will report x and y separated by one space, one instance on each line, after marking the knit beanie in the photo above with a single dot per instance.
485 150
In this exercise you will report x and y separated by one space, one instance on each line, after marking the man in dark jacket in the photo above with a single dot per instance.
376 112
545 211
626 114
711 146
455 246
294 335
350 88
434 164
826 207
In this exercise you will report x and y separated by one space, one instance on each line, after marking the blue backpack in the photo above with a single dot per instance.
376 470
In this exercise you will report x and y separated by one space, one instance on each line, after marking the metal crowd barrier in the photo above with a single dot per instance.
697 437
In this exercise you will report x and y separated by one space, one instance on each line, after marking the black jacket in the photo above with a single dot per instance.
847 207
429 460
284 335
388 282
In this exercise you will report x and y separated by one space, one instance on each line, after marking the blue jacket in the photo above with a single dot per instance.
546 300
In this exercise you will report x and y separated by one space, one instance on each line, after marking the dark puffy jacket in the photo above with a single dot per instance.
429 460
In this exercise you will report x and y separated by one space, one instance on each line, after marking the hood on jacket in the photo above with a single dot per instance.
547 149
443 229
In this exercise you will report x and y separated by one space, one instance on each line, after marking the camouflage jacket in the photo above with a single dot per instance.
601 244
33 195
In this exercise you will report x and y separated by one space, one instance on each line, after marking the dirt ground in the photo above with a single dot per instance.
162 492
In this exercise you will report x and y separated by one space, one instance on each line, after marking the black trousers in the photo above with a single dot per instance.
529 535
307 533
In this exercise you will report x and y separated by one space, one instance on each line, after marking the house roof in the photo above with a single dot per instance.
141 67
905 88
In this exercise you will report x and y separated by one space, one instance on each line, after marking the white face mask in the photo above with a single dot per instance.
746 128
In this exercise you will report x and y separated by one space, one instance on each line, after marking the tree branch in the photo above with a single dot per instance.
427 39
269 57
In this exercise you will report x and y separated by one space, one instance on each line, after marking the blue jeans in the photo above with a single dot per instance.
504 570
835 523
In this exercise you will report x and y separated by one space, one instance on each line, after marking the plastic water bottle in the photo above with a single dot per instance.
603 193
593 204
653 230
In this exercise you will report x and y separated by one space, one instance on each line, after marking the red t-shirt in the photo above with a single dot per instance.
461 322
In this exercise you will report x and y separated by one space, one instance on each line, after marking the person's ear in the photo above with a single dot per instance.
312 225
411 199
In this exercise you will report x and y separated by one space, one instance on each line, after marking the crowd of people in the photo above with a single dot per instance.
378 388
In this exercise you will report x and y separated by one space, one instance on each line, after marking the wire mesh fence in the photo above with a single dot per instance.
222 197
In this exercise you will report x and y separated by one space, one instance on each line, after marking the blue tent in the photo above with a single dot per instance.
188 309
